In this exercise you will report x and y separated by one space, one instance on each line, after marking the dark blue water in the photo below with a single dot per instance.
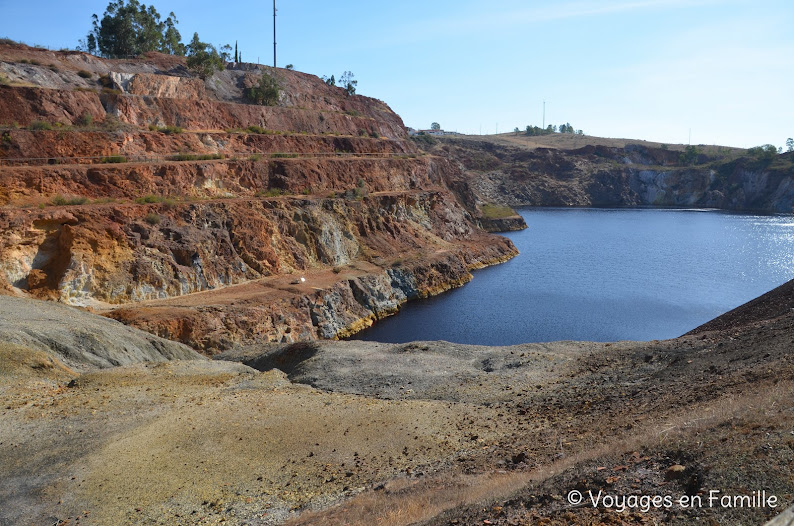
605 275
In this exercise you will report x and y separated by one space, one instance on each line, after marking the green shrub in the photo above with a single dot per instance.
256 129
424 139
767 152
255 157
35 62
266 92
274 192
85 74
279 155
60 200
689 156
152 218
354 113
40 125
358 193
111 91
374 134
113 159
86 119
195 157
151 199
54 68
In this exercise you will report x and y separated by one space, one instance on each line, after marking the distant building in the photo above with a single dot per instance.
437 133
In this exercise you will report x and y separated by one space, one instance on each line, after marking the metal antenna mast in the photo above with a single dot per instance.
274 33
544 111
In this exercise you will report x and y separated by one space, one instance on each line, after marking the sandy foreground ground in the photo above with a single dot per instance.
422 433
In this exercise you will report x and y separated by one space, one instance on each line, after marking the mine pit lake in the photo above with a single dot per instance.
606 275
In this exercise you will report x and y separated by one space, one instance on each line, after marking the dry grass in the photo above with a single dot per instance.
492 211
404 502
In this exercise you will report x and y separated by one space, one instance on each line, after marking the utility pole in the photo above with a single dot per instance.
274 33
544 114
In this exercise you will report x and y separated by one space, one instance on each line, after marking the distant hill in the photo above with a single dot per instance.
566 141
576 170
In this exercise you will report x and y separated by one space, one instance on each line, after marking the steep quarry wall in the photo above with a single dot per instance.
408 245
119 254
631 176
172 204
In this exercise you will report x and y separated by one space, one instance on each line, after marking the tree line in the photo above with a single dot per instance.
129 28
551 128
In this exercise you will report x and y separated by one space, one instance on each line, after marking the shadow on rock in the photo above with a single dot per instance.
285 359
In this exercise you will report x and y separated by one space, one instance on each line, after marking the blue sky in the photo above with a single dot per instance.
645 69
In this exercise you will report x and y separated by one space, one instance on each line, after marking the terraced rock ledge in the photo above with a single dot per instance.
175 205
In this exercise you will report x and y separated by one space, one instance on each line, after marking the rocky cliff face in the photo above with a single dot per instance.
632 176
104 207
